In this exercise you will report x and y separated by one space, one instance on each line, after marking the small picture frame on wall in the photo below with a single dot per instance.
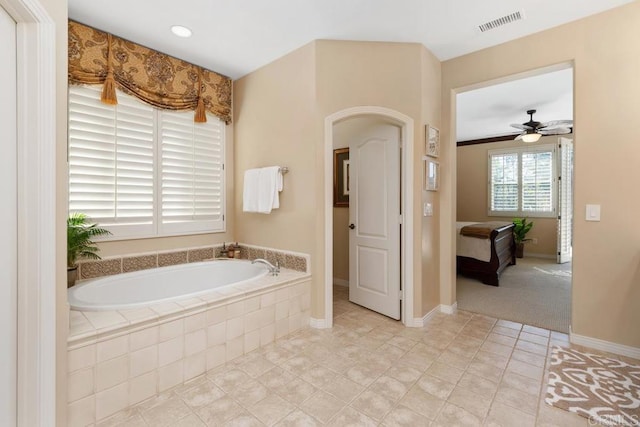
431 172
341 178
432 141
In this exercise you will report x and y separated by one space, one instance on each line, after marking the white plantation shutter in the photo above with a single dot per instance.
143 172
537 182
191 173
521 181
504 182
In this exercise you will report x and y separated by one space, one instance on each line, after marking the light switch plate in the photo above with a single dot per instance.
593 213
427 209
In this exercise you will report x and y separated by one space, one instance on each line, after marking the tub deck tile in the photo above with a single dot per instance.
191 302
105 320
136 315
165 308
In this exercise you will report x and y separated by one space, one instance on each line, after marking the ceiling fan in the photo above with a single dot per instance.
532 130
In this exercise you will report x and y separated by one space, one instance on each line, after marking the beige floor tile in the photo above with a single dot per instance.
372 404
190 421
242 420
530 358
435 386
535 338
296 392
522 383
322 406
476 404
538 349
349 417
516 398
166 413
249 393
499 361
343 388
298 418
506 416
403 343
454 359
298 365
445 372
495 348
401 416
318 376
271 409
403 373
549 416
201 395
364 375
122 420
506 331
537 331
276 377
422 402
454 416
485 370
389 387
230 380
476 384
501 339
509 324
220 411
525 369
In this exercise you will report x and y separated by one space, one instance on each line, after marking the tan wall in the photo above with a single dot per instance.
472 189
605 50
279 119
406 78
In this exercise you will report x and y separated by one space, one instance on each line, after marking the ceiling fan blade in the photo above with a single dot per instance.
519 126
554 131
556 124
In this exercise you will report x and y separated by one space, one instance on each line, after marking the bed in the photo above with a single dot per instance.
484 250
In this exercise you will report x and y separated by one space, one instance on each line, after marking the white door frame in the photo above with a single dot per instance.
406 262
36 115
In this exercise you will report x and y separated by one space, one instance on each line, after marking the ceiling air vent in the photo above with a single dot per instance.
499 22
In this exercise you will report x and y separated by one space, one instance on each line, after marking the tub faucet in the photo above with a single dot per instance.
273 269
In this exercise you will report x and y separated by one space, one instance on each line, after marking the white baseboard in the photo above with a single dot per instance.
419 322
340 282
449 309
319 323
543 256
610 347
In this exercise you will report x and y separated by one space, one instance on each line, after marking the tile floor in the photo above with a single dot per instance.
369 370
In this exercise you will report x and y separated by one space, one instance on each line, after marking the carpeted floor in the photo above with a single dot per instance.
535 292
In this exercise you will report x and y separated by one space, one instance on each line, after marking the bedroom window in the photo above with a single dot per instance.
522 182
143 172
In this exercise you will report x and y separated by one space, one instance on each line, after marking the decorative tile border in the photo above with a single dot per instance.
135 262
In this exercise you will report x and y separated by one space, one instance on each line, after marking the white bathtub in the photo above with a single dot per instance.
146 287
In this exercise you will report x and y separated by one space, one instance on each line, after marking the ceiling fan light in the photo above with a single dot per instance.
531 137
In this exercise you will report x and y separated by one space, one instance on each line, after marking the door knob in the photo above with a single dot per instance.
352 226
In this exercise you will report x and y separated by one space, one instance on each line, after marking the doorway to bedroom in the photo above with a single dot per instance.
515 160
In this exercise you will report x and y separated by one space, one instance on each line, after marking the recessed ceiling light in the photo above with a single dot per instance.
181 31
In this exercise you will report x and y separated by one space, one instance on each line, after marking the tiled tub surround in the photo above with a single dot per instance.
135 262
119 358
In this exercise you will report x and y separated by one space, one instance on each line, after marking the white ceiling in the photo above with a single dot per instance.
236 37
490 111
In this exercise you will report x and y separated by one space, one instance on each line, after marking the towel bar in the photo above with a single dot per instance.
284 169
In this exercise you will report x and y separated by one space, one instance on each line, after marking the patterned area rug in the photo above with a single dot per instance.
606 391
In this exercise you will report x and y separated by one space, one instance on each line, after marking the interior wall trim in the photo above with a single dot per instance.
449 309
602 345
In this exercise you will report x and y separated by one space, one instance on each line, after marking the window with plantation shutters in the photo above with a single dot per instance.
143 172
521 182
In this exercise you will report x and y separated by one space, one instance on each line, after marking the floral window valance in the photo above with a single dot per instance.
96 57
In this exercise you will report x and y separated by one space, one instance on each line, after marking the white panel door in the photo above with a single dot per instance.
374 217
8 219
565 200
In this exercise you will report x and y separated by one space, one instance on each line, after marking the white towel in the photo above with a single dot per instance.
261 189
251 190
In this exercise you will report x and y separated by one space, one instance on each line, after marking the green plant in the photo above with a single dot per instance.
521 229
79 235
